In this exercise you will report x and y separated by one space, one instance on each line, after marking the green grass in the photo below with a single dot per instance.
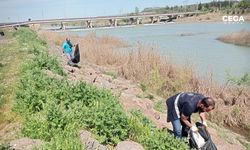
111 73
143 87
12 55
159 106
150 96
5 147
143 131
54 110
246 144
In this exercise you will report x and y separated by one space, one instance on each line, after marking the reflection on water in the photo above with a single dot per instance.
190 42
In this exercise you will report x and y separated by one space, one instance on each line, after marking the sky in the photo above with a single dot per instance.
22 10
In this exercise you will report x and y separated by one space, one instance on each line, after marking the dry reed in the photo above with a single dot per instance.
238 38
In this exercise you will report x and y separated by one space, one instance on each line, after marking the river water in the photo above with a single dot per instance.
199 47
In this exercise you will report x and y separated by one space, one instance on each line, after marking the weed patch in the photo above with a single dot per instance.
112 74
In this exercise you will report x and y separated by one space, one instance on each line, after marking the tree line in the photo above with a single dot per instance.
226 6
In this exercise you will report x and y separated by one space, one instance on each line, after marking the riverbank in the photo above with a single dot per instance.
114 66
155 74
137 94
58 118
241 38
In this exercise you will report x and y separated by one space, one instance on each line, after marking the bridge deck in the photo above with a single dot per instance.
94 18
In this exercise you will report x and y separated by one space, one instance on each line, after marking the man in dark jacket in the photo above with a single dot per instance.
180 108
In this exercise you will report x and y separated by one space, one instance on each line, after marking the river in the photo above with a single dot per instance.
199 47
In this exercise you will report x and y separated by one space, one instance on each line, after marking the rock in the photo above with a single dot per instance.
157 116
25 144
128 145
148 106
90 143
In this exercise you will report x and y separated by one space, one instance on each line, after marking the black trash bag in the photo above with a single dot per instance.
202 130
196 141
76 57
208 145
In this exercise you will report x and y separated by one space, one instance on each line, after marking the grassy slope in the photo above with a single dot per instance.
12 55
54 111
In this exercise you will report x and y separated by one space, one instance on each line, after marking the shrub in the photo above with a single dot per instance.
143 131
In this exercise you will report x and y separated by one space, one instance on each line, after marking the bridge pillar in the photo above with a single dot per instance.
89 24
170 18
132 20
158 19
152 20
138 21
115 22
111 22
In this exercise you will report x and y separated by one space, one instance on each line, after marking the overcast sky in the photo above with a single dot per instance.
21 10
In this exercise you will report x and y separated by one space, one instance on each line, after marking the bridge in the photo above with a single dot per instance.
112 20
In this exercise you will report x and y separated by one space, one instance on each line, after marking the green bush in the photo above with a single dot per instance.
143 131
66 140
5 147
242 81
38 93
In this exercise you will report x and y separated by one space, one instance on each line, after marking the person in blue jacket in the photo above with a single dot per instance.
180 108
67 49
